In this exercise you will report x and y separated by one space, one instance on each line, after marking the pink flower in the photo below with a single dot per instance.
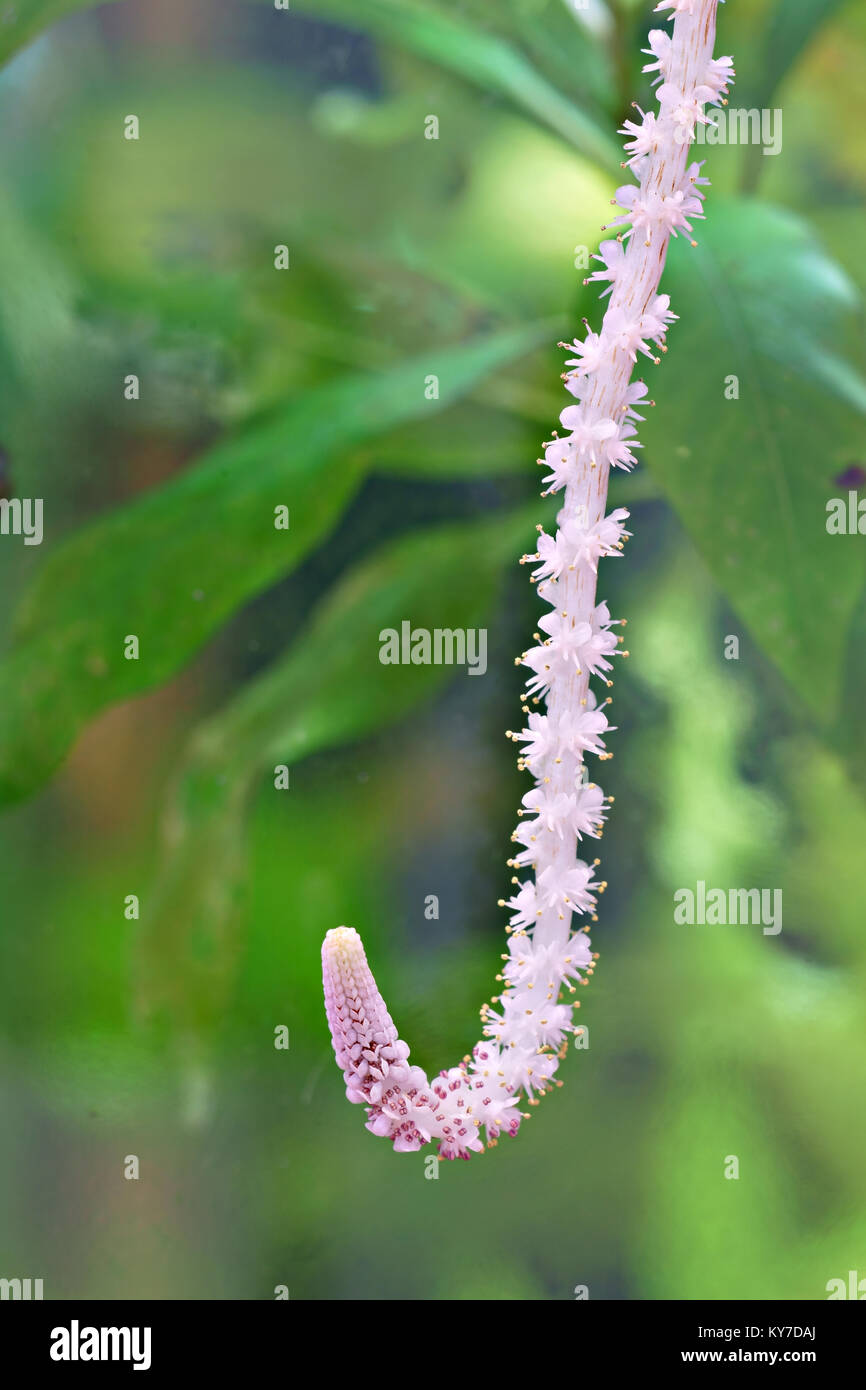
648 211
525 905
619 451
719 75
693 179
611 255
576 643
569 889
656 319
627 333
559 456
575 544
644 137
586 434
684 108
519 1054
581 733
531 835
590 355
586 440
659 49
553 810
635 395
590 810
541 739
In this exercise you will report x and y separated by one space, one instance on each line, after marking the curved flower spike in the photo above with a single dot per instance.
525 1037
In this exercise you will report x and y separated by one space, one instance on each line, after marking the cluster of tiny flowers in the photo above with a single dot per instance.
526 1028
401 1103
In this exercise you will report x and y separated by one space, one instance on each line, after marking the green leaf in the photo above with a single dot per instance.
488 62
37 298
791 26
469 441
557 39
751 477
332 687
26 19
170 567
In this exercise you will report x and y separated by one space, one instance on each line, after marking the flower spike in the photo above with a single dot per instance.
525 1036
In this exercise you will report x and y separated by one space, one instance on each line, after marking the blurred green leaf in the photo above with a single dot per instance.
26 19
469 441
331 687
37 299
791 26
560 43
486 61
738 1081
171 566
751 477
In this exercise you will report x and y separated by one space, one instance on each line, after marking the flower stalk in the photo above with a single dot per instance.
527 1027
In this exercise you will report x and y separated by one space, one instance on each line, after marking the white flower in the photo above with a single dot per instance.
529 834
575 544
541 739
553 810
659 49
611 254
581 733
655 319
586 440
619 451
719 75
648 211
546 967
685 109
627 333
572 889
574 644
644 137
590 355
635 395
525 905
590 810
693 179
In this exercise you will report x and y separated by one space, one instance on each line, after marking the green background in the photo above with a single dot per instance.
409 258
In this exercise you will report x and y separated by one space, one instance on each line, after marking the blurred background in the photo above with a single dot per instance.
163 900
